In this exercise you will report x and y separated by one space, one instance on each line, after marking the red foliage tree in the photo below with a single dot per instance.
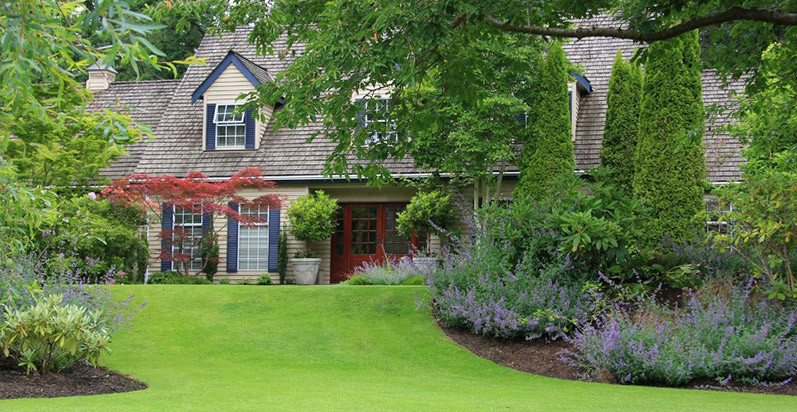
197 193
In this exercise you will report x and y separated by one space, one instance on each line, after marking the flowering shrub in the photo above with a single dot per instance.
402 272
506 304
50 321
480 287
723 334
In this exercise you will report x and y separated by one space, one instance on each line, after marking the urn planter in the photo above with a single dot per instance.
305 270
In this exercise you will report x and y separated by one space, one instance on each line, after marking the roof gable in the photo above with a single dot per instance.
254 73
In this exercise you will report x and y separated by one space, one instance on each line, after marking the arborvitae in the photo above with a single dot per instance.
552 150
670 158
622 122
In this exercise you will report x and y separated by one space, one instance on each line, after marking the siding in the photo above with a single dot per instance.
575 102
226 89
288 192
344 193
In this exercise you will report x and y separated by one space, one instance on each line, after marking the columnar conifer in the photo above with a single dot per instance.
670 158
622 122
551 151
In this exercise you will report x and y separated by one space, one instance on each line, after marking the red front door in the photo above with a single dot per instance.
366 232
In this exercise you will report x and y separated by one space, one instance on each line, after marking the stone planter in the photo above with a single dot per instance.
426 261
305 270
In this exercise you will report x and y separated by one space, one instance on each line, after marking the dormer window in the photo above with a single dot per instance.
226 125
230 126
375 115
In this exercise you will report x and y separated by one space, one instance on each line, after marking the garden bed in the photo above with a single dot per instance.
81 380
542 358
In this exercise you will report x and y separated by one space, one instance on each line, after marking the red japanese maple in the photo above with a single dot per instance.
199 194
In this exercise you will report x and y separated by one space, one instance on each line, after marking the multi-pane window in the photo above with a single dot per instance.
187 235
253 239
230 126
376 117
395 242
716 216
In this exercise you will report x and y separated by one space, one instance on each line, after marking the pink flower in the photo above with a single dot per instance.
92 196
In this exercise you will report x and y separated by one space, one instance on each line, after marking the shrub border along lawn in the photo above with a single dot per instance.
334 348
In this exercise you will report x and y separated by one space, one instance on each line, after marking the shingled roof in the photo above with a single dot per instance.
144 102
177 148
596 56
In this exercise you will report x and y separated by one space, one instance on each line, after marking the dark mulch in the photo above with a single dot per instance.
81 380
543 358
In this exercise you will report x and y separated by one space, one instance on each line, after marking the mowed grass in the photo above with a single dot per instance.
223 348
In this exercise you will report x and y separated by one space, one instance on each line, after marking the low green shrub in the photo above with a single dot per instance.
172 277
52 336
413 281
358 280
264 280
224 281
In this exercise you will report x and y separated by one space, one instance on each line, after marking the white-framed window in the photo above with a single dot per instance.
377 116
253 239
716 216
187 235
230 126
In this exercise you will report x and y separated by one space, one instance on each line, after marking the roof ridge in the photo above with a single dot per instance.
148 81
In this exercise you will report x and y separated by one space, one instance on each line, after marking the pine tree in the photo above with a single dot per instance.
622 122
551 152
670 158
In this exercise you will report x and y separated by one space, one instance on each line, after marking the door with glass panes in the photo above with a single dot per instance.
366 232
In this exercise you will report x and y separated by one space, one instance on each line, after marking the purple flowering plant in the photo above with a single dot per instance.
722 332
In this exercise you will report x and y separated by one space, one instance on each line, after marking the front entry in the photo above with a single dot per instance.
366 232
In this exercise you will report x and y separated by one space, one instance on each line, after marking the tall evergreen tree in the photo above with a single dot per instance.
622 122
670 158
551 151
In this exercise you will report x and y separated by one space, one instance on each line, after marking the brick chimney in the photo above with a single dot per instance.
100 77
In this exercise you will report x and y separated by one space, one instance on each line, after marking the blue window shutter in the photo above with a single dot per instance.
361 115
167 224
210 128
232 242
206 222
273 239
249 121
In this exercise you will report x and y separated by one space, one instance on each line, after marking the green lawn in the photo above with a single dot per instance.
223 348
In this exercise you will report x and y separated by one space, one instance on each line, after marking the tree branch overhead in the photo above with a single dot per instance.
732 14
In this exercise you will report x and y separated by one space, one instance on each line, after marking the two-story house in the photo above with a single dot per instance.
195 128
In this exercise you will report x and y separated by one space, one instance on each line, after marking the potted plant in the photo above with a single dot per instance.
312 218
427 213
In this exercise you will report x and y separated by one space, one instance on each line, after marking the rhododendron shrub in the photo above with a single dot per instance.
199 194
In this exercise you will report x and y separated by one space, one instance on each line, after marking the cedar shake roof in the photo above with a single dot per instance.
178 149
596 56
144 102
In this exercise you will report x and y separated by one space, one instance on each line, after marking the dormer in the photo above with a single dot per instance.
578 88
225 128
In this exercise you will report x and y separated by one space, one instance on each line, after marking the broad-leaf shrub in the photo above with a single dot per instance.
51 322
721 333
428 213
312 217
52 336
596 225
95 238
764 222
